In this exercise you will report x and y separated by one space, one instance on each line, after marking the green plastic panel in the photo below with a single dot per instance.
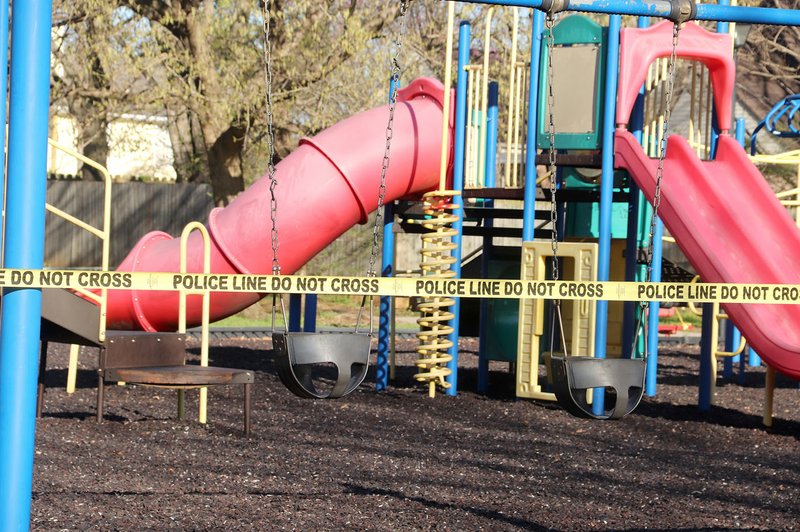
578 74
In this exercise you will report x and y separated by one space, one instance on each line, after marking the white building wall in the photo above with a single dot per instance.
138 146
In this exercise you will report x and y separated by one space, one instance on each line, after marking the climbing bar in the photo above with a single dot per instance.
663 9
428 287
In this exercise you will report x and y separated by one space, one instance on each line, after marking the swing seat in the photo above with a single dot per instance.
299 355
572 376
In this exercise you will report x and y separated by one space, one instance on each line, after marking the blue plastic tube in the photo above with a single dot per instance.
24 238
458 184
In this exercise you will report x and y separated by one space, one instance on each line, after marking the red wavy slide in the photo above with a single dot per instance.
325 186
732 229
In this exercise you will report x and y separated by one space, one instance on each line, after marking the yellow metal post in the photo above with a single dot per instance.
192 226
72 368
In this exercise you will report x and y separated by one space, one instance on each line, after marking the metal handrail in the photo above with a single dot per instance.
103 233
206 295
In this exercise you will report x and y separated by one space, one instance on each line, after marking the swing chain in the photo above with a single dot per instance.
273 182
662 151
551 136
394 83
551 151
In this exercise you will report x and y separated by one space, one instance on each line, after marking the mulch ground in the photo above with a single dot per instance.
398 460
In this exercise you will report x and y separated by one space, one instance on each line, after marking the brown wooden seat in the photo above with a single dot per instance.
158 359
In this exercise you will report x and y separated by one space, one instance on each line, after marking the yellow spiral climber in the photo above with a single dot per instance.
437 259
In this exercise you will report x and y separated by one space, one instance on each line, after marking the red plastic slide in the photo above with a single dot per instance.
732 229
325 186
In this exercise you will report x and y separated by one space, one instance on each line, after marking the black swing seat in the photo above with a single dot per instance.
572 376
298 355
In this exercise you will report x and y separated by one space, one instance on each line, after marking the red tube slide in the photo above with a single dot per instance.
325 186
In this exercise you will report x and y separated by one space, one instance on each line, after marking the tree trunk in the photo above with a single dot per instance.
223 142
93 138
225 164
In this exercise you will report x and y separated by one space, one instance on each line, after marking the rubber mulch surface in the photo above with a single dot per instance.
398 460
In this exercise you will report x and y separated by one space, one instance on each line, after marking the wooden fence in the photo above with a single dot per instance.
137 208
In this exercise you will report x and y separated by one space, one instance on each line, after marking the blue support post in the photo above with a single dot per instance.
295 311
458 184
732 335
606 195
652 318
753 359
663 9
635 197
3 103
491 136
386 302
732 339
529 205
491 179
722 27
706 359
310 313
24 239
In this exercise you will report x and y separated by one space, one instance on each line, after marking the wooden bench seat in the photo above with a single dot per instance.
158 359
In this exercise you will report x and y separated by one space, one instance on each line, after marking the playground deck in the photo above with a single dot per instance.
400 461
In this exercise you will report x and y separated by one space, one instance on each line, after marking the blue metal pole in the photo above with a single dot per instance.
310 313
3 103
732 335
652 318
704 389
753 15
385 314
491 179
24 237
732 338
387 270
753 359
295 311
663 9
529 204
606 196
629 316
491 137
458 184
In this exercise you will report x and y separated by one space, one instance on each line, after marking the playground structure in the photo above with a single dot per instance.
767 327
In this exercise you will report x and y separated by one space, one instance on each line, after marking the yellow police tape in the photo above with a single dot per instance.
388 286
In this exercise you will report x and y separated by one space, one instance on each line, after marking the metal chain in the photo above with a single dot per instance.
394 83
551 152
551 135
662 151
273 182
